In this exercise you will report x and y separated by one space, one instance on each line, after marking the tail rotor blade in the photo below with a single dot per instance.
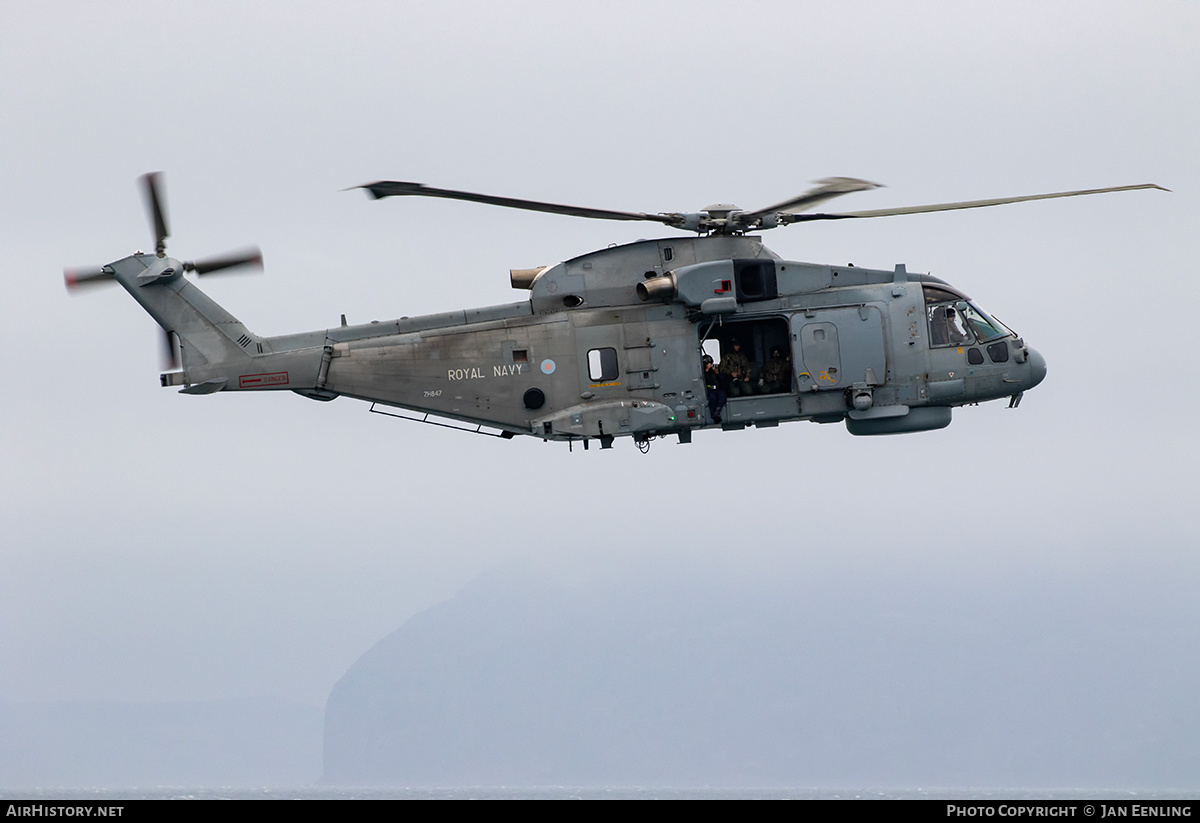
211 265
77 278
157 212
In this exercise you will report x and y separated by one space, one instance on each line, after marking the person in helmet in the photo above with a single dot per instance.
713 389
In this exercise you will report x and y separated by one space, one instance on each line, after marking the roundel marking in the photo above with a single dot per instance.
548 367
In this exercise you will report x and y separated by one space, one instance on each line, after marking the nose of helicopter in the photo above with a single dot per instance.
1037 368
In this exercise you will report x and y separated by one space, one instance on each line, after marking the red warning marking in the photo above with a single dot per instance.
254 381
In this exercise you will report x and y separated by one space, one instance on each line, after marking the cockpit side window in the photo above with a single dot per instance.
954 321
946 326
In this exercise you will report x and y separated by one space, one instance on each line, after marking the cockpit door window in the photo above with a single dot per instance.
960 324
946 326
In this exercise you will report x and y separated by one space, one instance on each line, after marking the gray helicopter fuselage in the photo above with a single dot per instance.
610 344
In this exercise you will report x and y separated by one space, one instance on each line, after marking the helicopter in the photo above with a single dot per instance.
646 340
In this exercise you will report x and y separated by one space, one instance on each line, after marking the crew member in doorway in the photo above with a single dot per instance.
735 368
712 388
776 374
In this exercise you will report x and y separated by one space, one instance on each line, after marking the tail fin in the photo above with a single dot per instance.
219 352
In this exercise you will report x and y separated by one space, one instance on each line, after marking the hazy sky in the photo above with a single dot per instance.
163 547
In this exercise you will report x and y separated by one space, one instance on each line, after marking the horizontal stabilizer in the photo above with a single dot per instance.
207 387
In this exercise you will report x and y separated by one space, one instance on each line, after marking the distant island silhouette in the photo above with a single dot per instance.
675 674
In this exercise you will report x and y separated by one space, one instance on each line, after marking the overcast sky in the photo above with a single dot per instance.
167 547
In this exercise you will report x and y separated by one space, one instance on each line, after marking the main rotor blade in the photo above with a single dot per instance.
391 188
157 212
966 204
211 265
75 278
826 189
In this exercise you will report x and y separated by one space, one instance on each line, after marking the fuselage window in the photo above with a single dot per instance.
998 352
602 365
